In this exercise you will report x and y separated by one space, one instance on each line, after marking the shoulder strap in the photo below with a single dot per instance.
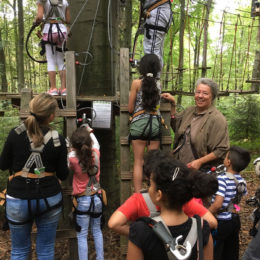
94 170
54 9
175 251
152 208
240 187
19 129
35 156
199 221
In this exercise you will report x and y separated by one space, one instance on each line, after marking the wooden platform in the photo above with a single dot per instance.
17 96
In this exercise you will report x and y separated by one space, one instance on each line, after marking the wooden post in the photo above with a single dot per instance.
71 89
70 127
26 96
166 141
126 176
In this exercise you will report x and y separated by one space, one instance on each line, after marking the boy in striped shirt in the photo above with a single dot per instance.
231 187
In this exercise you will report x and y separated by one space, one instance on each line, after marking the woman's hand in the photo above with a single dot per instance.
168 97
196 164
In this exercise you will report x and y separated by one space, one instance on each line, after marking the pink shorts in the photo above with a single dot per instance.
55 38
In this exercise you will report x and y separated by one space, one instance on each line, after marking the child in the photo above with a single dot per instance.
172 185
138 205
231 187
145 126
85 164
56 17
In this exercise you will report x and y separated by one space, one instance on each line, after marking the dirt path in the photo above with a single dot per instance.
111 240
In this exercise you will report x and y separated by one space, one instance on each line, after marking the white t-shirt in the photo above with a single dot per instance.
62 10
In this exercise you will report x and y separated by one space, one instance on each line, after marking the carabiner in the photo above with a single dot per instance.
181 252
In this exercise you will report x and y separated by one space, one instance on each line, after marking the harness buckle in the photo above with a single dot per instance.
181 252
28 180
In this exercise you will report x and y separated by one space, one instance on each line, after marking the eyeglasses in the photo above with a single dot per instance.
205 94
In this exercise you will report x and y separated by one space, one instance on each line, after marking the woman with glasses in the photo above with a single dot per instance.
201 133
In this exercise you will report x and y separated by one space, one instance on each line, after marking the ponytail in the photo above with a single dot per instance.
41 108
82 143
149 68
150 93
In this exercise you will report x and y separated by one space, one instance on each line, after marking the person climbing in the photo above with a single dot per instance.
145 125
158 18
55 15
85 165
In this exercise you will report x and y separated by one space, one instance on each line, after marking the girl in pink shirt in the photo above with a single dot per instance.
85 164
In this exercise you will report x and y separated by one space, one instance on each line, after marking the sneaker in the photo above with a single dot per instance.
63 92
53 92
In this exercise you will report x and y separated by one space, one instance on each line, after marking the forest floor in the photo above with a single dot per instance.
112 240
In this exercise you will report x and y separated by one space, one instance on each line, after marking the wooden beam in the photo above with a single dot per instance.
71 113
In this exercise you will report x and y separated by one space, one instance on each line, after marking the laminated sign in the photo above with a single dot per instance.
101 114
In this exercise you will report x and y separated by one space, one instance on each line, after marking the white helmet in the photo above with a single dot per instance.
257 166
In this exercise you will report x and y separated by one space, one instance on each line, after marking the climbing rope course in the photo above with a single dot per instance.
231 45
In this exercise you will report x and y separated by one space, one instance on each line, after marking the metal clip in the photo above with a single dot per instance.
181 252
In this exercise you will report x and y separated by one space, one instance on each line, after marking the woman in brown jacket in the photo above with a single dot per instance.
201 134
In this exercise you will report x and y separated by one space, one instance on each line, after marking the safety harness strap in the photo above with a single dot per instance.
54 11
35 156
240 188
174 250
152 208
147 11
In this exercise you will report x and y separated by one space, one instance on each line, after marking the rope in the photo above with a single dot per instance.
249 32
26 45
90 38
232 53
72 25
110 40
221 54
229 24
217 46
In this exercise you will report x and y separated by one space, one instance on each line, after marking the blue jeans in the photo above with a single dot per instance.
84 221
17 211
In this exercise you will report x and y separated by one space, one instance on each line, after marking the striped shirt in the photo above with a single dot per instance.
227 189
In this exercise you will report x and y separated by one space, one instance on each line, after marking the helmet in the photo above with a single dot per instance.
257 166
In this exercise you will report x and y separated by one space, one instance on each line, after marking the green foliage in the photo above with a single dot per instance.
244 123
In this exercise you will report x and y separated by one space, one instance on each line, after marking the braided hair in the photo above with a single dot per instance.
149 68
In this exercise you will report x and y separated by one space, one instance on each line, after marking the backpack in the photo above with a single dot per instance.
240 190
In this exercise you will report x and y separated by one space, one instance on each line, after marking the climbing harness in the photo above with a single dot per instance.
144 13
92 188
54 17
174 250
39 170
149 124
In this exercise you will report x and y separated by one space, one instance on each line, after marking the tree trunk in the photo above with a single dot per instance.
256 68
181 49
2 65
205 40
20 46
